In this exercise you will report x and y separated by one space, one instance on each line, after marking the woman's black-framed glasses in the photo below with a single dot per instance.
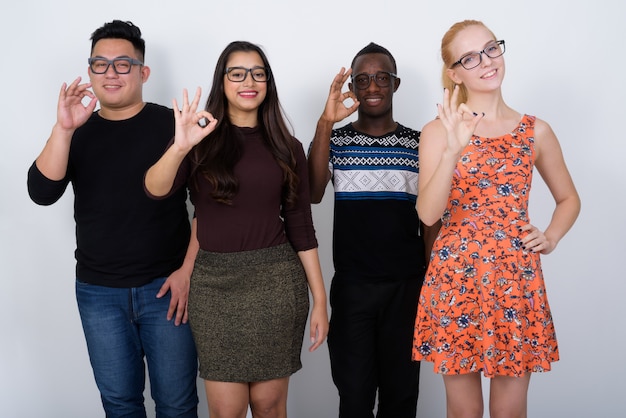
239 74
121 65
473 59
381 78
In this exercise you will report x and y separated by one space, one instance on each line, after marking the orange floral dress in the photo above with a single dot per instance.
483 305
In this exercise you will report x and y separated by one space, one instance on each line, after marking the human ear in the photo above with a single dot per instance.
452 75
145 73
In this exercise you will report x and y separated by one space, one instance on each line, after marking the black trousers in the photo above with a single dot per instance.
370 341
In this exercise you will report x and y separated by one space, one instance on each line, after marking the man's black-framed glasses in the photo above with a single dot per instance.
473 59
121 65
381 78
239 74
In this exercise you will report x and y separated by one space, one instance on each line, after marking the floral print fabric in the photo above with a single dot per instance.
483 305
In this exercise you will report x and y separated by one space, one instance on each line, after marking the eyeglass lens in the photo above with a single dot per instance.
239 74
473 59
120 65
381 78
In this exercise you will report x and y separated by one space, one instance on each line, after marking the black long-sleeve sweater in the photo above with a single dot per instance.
123 238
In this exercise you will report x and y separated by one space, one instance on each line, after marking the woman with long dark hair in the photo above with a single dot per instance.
247 177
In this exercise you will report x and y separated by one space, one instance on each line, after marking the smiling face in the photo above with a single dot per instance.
486 76
244 98
120 95
375 101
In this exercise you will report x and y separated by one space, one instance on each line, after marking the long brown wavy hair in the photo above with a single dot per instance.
215 157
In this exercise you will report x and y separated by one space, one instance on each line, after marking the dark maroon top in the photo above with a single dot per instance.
257 217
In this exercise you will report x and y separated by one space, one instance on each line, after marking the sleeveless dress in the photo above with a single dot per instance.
483 305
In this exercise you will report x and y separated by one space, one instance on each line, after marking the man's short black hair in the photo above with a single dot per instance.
119 29
373 48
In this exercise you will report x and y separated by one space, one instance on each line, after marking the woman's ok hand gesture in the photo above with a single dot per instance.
192 126
458 119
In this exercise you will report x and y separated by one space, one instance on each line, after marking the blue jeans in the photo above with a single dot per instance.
122 326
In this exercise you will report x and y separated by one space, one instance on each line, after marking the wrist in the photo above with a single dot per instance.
451 155
325 123
319 301
61 132
180 151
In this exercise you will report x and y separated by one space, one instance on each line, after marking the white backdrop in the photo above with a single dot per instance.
565 64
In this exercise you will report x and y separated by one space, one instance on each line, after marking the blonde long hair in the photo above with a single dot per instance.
448 59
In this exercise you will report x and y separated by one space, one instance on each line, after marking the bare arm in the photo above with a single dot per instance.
335 111
430 234
319 174
71 114
160 177
319 313
551 165
441 143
